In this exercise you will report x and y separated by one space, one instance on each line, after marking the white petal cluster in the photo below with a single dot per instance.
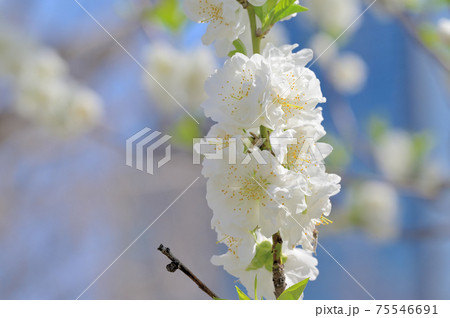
335 16
256 193
376 209
403 161
346 71
250 256
43 90
182 74
225 21
394 155
443 28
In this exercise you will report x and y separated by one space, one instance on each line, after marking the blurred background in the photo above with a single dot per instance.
71 96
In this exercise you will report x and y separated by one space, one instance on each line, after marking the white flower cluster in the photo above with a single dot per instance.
227 21
444 30
184 80
271 179
405 160
346 71
379 214
43 91
288 192
335 16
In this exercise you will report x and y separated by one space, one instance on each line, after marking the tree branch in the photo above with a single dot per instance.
244 3
411 31
279 280
176 264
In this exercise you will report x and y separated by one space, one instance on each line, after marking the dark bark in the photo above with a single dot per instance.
176 264
244 3
279 280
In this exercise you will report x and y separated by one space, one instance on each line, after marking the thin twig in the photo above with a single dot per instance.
279 280
411 31
244 3
176 264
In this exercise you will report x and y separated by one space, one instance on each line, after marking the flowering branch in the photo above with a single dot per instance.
412 32
279 280
249 101
176 264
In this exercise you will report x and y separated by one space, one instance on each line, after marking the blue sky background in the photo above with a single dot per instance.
60 234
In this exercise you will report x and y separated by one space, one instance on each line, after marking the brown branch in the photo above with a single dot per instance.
176 264
244 3
410 28
279 280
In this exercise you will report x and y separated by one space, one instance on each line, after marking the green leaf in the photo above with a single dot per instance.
421 145
239 46
340 157
263 256
167 13
231 53
429 35
377 128
269 6
241 294
184 131
295 291
259 13
283 9
263 11
295 8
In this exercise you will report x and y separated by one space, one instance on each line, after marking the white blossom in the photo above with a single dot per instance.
295 88
335 16
298 264
274 89
394 155
323 44
348 73
225 21
42 88
240 92
43 64
376 205
272 196
256 191
64 107
14 49
444 29
182 74
245 196
432 177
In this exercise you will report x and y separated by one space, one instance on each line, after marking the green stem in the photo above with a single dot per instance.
256 41
264 132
